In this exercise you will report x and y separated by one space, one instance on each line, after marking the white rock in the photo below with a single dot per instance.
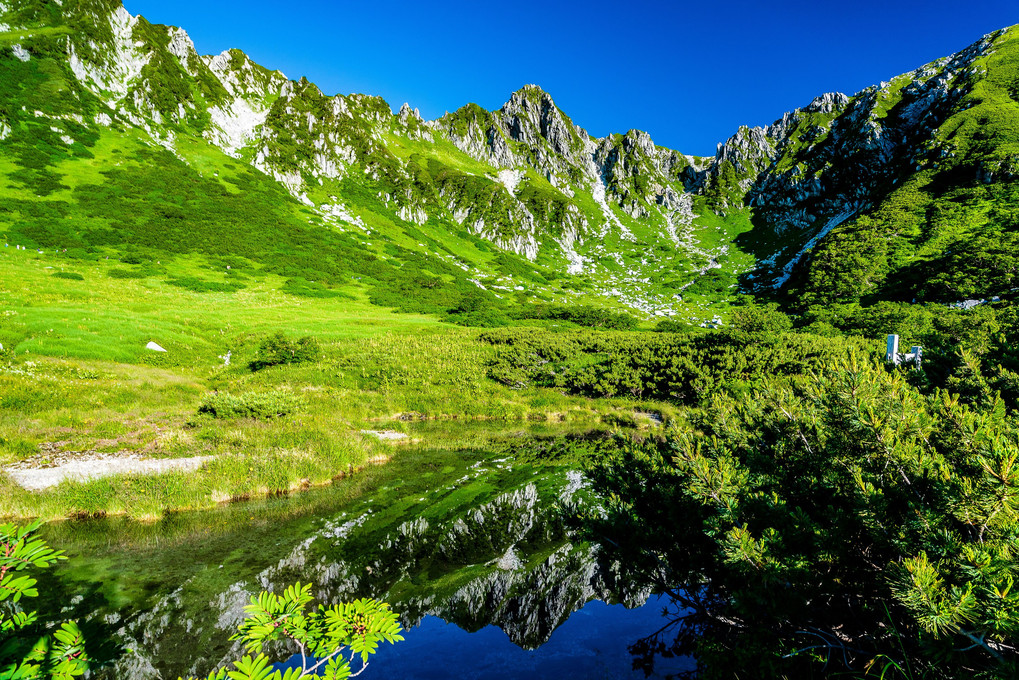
181 46
511 179
233 124
20 52
124 61
154 347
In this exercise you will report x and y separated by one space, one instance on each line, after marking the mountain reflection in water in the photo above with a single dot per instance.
591 644
474 540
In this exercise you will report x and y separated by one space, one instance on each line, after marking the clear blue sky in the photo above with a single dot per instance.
687 72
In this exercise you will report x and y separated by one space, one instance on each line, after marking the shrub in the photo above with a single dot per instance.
673 326
277 350
70 276
757 323
850 502
313 289
477 309
126 274
582 315
264 405
196 285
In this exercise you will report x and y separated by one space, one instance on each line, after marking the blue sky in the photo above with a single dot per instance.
687 72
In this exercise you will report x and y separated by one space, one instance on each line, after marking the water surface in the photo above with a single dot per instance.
470 549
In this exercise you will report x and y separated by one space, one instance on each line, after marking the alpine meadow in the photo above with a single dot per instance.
290 381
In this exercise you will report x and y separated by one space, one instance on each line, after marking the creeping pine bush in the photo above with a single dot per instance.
196 285
126 274
582 315
277 350
265 405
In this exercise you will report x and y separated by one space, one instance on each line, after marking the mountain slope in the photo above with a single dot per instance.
833 168
612 212
117 137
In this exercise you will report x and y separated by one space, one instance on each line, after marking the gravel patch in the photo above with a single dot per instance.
385 435
35 475
655 418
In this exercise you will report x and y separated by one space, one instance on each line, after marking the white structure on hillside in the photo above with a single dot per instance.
893 356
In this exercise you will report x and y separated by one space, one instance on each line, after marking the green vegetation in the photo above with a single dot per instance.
26 649
276 404
278 350
812 508
680 368
833 521
322 635
74 381
581 315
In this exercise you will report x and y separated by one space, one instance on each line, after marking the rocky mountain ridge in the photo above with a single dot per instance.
644 224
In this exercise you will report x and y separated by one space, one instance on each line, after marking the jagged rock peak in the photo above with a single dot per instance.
407 113
530 102
638 139
531 112
829 102
529 92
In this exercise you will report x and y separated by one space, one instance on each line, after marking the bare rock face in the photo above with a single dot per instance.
829 102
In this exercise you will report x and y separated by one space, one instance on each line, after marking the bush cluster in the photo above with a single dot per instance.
259 405
581 315
850 513
684 368
278 350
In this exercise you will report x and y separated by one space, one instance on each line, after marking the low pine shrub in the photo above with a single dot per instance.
196 285
278 349
259 405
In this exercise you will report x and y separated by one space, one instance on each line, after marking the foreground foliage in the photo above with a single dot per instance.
827 523
321 636
25 652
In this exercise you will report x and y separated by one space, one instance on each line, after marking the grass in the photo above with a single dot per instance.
14 37
196 251
75 375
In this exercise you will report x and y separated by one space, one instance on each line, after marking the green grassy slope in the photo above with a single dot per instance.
947 232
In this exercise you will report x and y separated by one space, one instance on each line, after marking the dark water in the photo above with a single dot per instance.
470 550
592 643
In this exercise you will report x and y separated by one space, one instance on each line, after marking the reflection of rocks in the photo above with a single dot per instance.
506 561
530 603
493 527
230 606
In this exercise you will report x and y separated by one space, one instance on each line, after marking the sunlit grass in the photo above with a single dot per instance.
75 377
